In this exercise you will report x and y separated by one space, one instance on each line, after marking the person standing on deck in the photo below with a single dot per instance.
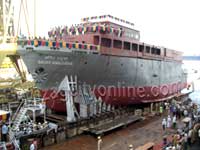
164 124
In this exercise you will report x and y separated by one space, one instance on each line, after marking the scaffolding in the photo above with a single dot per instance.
6 20
23 122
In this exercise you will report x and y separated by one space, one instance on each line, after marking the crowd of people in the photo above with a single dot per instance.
77 29
182 121
25 128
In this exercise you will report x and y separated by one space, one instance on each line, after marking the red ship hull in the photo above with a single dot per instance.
119 96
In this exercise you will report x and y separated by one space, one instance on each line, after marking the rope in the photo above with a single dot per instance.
19 17
27 15
25 9
26 19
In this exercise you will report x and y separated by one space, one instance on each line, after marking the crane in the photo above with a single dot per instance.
8 46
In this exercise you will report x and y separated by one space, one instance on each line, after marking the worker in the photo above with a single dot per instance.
4 131
174 121
99 143
199 136
32 146
164 124
130 147
35 144
161 110
190 137
169 121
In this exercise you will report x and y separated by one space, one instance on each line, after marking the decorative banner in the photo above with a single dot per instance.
88 46
29 42
79 30
76 46
39 43
46 43
43 43
4 115
58 44
64 44
35 43
50 44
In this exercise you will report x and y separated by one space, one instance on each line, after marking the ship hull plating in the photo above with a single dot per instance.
117 80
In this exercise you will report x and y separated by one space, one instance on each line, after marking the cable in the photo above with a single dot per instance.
26 19
19 18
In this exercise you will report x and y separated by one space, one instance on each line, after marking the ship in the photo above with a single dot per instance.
104 52
191 57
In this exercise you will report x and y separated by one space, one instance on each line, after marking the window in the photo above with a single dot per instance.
155 51
117 44
141 48
105 42
96 40
127 46
147 49
134 47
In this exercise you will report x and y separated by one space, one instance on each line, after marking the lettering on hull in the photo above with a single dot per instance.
54 60
124 95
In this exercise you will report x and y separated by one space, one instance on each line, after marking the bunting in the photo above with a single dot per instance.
4 115
107 16
58 44
76 30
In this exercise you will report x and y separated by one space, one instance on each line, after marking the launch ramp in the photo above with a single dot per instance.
117 123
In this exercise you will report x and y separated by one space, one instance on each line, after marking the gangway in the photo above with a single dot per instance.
27 105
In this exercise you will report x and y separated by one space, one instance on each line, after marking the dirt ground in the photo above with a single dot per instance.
139 133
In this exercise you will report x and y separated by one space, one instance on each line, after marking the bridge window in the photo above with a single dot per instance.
127 46
147 49
117 44
141 48
105 42
155 51
134 47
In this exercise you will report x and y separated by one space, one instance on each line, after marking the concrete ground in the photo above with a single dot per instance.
195 146
139 133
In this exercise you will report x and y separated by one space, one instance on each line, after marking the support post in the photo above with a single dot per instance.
65 86
151 107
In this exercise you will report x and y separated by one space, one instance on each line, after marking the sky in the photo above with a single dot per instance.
174 24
